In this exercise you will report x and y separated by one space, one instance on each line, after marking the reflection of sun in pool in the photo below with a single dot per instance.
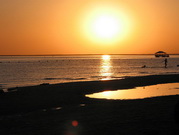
106 93
139 92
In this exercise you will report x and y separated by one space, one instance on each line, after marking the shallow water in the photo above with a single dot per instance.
139 92
34 70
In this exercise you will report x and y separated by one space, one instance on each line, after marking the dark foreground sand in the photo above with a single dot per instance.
62 109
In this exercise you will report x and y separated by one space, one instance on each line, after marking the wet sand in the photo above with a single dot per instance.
63 109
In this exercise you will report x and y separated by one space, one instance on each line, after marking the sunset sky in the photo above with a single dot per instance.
31 27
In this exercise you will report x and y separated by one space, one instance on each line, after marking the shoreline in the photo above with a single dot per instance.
124 83
50 109
24 99
159 76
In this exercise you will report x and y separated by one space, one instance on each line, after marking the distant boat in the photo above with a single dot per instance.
161 54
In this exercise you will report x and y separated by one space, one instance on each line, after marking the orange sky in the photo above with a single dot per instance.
29 27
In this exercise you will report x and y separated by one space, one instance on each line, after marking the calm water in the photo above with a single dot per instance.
32 70
139 92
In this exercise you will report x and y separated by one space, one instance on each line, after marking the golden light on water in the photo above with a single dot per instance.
105 70
139 92
106 57
106 94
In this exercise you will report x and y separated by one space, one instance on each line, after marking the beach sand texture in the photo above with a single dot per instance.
63 109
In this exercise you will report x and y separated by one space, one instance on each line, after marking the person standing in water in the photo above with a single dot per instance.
166 62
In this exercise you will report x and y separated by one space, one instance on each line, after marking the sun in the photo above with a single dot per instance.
106 24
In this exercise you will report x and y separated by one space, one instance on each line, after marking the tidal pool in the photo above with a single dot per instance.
139 92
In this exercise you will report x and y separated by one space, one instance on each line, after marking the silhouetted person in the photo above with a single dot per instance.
166 62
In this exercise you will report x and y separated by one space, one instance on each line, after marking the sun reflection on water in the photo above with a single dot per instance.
105 69
139 92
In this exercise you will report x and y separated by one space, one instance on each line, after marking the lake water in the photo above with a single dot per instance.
34 70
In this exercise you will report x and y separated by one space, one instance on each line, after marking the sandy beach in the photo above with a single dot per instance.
63 109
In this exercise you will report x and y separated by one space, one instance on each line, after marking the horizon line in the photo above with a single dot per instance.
75 54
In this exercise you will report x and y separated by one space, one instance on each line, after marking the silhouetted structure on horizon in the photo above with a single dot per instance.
161 54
